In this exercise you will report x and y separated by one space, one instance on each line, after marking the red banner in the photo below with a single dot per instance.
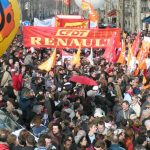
110 52
47 37
136 44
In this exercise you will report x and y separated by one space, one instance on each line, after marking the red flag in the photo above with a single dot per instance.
144 76
67 2
110 52
136 44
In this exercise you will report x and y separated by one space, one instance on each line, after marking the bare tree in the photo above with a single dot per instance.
46 8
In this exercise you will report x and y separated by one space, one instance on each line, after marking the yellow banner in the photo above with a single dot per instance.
76 24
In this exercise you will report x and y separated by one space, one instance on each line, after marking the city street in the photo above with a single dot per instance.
74 74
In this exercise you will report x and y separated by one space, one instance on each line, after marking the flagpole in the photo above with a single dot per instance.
56 7
69 7
61 6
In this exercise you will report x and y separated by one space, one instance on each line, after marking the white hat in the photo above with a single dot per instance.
99 112
32 49
79 135
91 93
147 122
95 88
133 116
13 70
118 131
59 63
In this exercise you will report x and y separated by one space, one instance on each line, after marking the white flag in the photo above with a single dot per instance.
90 57
44 23
66 55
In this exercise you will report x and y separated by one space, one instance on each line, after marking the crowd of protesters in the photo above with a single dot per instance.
64 115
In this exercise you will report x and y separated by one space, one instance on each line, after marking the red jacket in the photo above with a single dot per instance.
129 144
17 81
4 147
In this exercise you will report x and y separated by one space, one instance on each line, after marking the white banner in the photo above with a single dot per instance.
66 55
146 39
44 23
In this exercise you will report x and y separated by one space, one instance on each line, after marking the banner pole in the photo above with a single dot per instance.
69 7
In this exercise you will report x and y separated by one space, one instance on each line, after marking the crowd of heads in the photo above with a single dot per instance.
56 113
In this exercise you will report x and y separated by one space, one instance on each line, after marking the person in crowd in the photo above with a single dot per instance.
101 129
139 147
124 113
81 140
129 139
68 143
21 140
147 124
26 103
56 117
111 92
91 135
147 101
28 61
77 104
41 144
11 62
6 78
55 133
12 141
145 113
135 105
9 92
3 139
17 80
121 136
112 114
30 143
115 143
128 94
110 123
142 141
37 127
80 119
49 144
100 145
70 111
2 102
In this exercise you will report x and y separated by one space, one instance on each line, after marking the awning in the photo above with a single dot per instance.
112 13
146 20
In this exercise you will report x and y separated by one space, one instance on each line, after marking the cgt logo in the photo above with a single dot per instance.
72 33
6 19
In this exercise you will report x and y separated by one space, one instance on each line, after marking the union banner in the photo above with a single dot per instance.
71 21
49 37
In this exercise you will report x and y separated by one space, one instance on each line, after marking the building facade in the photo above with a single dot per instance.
126 14
129 13
43 9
